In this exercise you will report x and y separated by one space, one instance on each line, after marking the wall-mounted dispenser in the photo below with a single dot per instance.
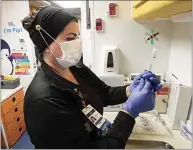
110 72
112 9
99 25
111 60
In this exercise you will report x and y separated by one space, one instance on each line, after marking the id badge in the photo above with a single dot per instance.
102 124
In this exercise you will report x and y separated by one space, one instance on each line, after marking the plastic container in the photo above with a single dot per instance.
10 84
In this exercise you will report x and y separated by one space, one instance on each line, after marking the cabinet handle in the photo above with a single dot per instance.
140 3
18 119
164 101
16 109
88 22
20 128
13 99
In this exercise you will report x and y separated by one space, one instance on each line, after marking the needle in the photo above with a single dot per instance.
153 58
151 64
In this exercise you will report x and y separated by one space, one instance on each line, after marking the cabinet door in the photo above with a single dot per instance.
17 134
12 101
153 9
14 124
13 114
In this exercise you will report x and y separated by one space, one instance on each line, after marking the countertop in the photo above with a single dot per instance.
175 139
6 93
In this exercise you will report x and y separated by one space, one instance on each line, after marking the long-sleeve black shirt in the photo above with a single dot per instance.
52 111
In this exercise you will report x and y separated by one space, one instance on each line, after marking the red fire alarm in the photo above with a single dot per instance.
112 9
99 24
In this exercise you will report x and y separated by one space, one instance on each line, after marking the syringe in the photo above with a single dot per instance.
154 112
153 57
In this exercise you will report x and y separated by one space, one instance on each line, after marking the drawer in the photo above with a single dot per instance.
13 113
15 124
12 101
16 135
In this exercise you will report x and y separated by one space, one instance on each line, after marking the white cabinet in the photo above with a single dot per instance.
179 101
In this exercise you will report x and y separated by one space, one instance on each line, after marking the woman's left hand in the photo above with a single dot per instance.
142 99
149 76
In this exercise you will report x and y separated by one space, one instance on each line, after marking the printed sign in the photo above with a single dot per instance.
22 63
12 28
163 91
23 44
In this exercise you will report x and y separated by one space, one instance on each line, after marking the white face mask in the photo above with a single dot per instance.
71 53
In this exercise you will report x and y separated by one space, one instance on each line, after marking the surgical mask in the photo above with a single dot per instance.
71 53
71 50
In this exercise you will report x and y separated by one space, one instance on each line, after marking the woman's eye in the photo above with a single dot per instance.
70 39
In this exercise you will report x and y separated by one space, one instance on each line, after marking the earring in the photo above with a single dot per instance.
47 50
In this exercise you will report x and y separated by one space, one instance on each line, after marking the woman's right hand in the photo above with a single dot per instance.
142 98
146 75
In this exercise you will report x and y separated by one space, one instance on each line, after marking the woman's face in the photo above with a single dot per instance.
70 32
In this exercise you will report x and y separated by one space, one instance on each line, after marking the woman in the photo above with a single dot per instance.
63 87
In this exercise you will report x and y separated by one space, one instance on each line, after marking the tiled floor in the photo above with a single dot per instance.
24 143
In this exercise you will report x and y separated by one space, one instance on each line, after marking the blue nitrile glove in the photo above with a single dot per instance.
146 75
137 80
142 98
152 78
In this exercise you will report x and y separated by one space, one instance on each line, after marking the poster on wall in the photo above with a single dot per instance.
22 63
14 53
18 38
6 59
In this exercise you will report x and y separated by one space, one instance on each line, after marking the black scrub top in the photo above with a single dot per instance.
53 116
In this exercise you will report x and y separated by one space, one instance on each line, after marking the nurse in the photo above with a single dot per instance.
63 87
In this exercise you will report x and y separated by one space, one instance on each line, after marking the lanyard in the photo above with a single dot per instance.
102 124
78 92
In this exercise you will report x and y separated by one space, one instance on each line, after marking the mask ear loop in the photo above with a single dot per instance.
39 28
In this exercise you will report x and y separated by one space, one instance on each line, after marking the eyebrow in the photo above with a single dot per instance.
73 34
